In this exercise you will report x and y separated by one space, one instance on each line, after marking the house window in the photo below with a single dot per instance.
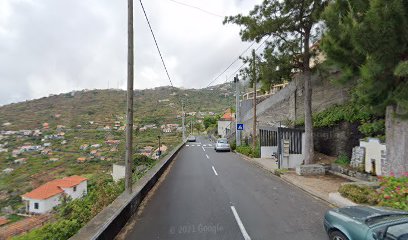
36 205
75 188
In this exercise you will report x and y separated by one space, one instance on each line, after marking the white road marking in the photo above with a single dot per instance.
210 145
187 145
203 149
204 145
207 156
215 172
241 226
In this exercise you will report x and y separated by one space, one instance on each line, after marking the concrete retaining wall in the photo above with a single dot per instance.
108 223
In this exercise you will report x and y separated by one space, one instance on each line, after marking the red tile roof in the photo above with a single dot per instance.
228 116
3 220
54 187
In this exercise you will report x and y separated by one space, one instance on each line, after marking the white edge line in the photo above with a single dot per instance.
240 224
215 172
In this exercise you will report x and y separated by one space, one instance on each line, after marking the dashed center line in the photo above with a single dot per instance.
207 156
203 149
215 172
240 224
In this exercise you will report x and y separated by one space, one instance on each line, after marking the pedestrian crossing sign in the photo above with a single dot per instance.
240 126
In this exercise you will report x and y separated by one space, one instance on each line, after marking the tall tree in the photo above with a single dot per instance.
368 39
293 26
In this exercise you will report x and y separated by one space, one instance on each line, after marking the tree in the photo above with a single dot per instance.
368 40
293 26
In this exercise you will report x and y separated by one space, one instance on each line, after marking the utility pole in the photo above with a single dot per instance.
237 113
191 126
182 120
254 79
159 146
129 123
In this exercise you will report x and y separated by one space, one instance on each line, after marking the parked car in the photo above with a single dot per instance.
222 145
191 138
366 223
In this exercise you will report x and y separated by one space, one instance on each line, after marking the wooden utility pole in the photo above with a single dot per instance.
129 123
237 113
182 121
254 79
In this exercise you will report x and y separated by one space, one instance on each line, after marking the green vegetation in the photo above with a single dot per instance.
279 172
370 125
378 70
249 151
343 160
72 215
393 192
358 194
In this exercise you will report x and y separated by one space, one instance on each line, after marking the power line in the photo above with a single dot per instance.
215 79
158 49
198 8
246 63
155 41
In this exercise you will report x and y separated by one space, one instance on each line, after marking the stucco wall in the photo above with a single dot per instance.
81 190
44 205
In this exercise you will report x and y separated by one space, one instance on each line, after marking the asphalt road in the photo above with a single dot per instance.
209 195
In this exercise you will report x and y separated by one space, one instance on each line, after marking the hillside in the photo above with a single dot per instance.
85 133
103 107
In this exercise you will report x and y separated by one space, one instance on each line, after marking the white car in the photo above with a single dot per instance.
222 145
191 138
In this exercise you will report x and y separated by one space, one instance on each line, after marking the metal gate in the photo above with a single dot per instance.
273 136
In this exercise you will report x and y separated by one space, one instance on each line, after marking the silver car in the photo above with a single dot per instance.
222 145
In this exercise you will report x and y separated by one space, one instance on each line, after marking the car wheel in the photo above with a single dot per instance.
337 235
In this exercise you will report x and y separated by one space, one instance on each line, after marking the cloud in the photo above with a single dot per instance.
49 46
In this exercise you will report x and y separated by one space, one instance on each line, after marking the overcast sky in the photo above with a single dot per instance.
55 46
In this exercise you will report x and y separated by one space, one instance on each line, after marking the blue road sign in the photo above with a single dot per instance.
240 126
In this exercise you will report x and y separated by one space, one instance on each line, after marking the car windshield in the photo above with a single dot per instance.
222 141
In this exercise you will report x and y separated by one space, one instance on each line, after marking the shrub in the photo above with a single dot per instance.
233 145
244 149
393 192
358 194
343 160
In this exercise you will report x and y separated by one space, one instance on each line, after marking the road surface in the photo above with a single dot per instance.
209 195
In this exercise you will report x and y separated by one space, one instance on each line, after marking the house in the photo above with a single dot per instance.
46 151
112 142
96 145
81 160
20 161
118 172
47 144
8 170
225 123
47 196
167 130
83 147
46 125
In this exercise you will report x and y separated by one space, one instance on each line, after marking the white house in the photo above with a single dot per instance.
118 172
44 198
225 123
374 153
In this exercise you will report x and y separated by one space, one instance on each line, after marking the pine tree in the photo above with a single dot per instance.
293 26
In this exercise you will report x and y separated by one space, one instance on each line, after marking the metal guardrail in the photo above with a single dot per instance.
109 222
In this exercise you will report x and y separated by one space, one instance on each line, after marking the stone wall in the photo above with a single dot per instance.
287 105
336 140
357 157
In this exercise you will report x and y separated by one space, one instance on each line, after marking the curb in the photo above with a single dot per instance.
285 179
